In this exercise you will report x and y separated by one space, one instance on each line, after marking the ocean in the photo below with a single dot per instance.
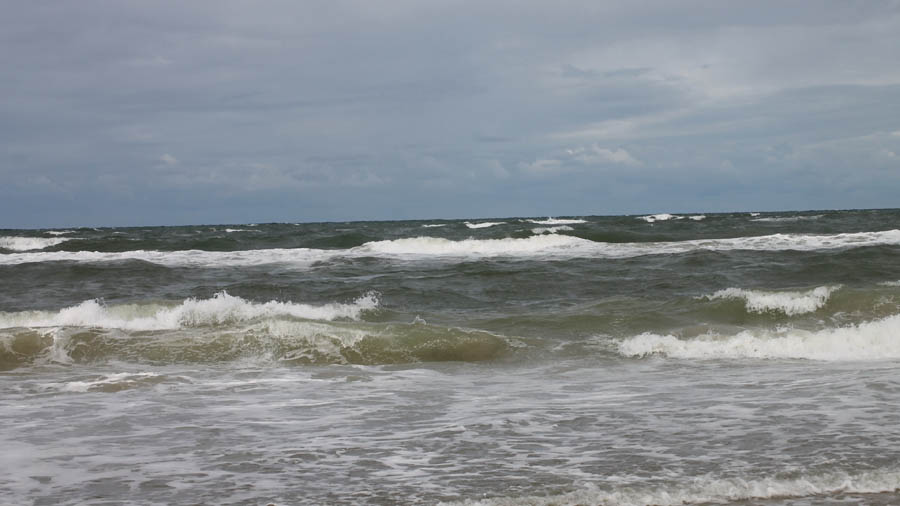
737 358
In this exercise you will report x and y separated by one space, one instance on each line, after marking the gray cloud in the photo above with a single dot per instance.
132 112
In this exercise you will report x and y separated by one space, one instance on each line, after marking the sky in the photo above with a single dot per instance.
121 112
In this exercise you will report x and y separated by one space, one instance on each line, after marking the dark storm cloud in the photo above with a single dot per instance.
166 112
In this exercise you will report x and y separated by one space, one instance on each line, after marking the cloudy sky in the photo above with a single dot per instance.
122 112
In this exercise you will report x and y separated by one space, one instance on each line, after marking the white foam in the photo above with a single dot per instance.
434 225
232 230
789 303
660 217
890 283
875 340
697 217
120 379
711 490
789 218
436 246
557 221
485 224
59 232
754 214
554 245
302 257
551 230
30 243
220 309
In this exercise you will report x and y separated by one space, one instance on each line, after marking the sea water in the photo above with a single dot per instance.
746 358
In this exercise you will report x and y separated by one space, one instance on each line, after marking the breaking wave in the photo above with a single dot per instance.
711 490
224 328
551 230
789 303
777 219
660 217
485 224
555 245
557 221
874 340
30 243
220 309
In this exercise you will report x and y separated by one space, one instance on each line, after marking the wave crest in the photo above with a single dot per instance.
220 309
790 303
485 224
30 243
874 340
272 341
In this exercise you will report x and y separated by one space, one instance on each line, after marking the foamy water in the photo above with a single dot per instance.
546 245
30 243
217 310
662 359
874 340
788 302
485 224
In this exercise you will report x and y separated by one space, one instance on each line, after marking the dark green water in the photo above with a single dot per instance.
684 359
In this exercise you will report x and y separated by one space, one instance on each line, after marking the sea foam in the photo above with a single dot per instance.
30 243
660 217
874 340
485 224
789 303
551 230
553 245
436 246
711 490
220 309
557 221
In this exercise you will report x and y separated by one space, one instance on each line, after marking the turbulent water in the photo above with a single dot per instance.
745 358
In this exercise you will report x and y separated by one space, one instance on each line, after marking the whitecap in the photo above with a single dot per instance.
485 224
790 303
557 221
30 243
874 340
551 230
220 309
546 245
660 217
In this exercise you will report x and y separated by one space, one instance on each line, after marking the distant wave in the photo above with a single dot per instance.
551 230
539 246
788 218
652 218
232 230
59 232
789 303
30 243
557 221
660 217
874 340
708 489
485 224
434 225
